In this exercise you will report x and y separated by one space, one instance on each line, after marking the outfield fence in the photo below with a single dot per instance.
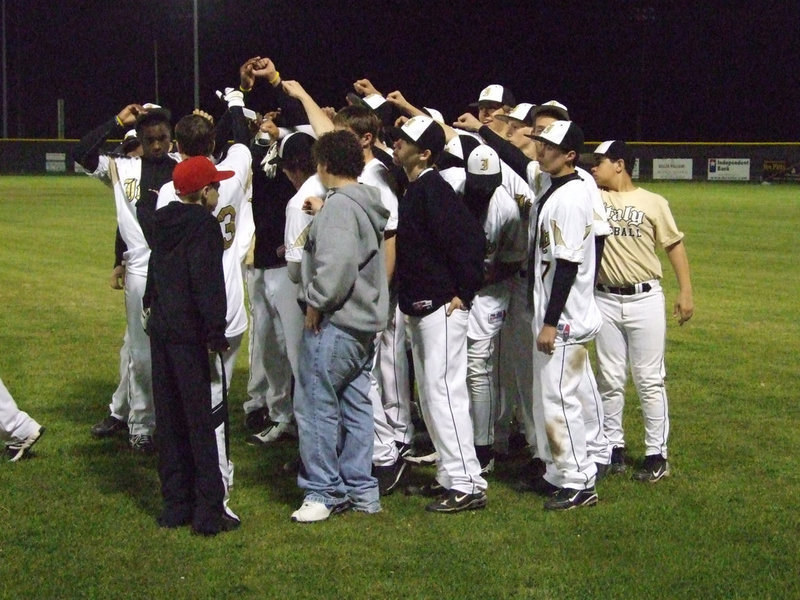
699 161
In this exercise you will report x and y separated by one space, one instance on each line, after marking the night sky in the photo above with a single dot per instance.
716 71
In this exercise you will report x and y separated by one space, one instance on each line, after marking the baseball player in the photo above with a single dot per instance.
565 318
632 303
17 429
439 269
135 182
506 248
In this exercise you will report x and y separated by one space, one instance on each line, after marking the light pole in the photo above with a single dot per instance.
5 76
196 61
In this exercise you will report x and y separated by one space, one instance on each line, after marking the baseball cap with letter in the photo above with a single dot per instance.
195 173
552 107
495 93
521 112
424 133
564 134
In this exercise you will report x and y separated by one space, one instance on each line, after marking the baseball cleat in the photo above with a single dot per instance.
602 471
429 490
108 427
618 460
18 450
567 499
536 484
312 512
422 460
142 443
456 501
257 420
389 476
277 432
654 468
226 523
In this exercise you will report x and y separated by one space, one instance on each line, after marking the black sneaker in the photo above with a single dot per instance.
537 485
618 460
389 476
429 490
654 468
256 420
226 523
485 455
456 501
567 499
108 427
602 470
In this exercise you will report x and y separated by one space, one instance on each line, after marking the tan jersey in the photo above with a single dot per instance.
640 221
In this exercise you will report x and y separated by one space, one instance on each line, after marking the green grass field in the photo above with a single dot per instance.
78 520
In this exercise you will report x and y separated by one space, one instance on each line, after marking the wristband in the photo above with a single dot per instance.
276 79
119 121
245 90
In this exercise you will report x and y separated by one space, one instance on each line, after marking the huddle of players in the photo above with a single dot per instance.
458 264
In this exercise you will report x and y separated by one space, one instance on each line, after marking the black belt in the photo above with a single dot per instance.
629 290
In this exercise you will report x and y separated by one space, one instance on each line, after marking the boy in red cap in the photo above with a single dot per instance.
185 298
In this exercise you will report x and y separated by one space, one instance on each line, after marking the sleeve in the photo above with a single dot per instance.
296 232
666 230
508 152
335 257
563 278
511 236
570 225
207 281
119 249
87 151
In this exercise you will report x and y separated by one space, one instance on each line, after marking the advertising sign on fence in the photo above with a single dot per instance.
55 162
730 169
672 168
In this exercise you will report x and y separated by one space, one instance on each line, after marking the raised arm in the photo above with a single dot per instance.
87 151
319 120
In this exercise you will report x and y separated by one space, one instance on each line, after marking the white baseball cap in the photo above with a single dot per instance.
522 112
555 107
424 132
483 161
495 93
434 114
564 134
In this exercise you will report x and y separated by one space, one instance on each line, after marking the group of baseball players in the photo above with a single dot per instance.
385 253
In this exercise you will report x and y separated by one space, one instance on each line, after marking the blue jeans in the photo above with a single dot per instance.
334 418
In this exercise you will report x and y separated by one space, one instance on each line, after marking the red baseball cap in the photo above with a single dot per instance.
195 173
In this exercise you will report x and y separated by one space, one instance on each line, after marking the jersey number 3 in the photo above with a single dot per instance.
227 219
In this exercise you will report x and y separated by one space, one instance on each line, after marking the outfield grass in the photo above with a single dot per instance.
78 520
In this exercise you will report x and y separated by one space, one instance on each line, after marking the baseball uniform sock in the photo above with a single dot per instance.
568 498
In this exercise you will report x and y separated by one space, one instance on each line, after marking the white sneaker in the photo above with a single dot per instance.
427 459
311 511
18 450
276 432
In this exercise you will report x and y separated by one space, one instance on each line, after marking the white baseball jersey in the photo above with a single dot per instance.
602 227
506 243
298 222
123 175
376 174
565 231
230 212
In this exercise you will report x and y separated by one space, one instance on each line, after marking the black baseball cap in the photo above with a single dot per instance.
615 150
424 132
293 145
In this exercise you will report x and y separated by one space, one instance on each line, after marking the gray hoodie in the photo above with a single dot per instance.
344 269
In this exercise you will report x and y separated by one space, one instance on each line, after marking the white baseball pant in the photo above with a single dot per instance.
119 406
276 324
439 348
141 417
558 380
634 332
15 425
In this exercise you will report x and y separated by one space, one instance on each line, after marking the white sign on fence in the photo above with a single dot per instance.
672 168
730 169
55 162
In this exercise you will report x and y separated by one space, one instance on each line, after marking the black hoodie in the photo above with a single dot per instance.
185 283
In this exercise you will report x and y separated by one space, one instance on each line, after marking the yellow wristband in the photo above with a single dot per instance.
275 79
119 121
245 90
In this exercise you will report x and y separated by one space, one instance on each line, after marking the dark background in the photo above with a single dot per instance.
704 71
